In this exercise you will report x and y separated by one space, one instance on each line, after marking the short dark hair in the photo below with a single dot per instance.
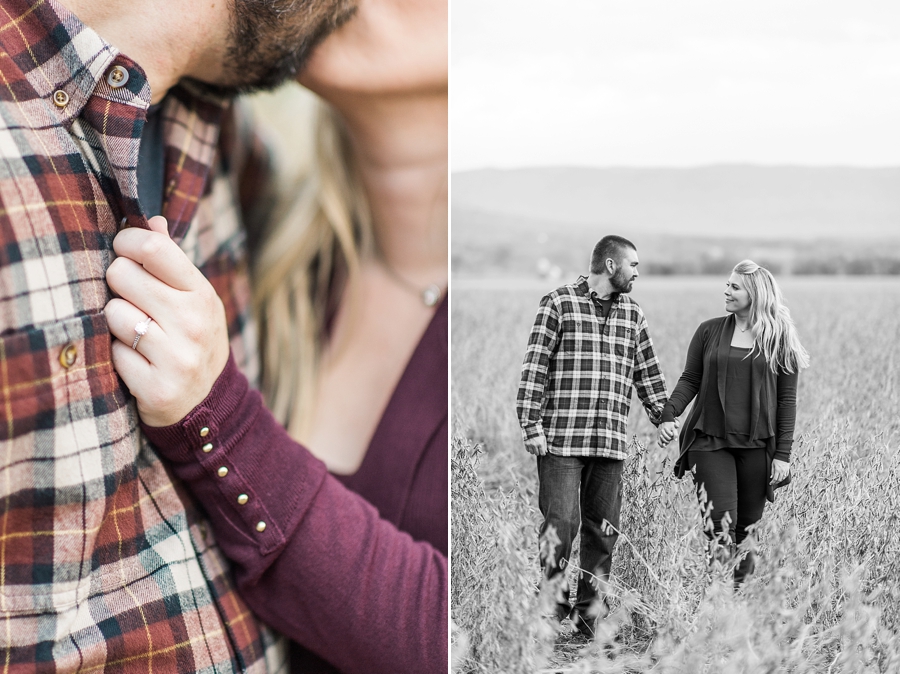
609 247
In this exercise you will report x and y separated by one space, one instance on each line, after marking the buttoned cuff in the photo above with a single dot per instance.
532 431
211 419
254 481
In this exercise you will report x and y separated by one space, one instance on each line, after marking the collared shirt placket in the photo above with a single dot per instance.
607 439
599 401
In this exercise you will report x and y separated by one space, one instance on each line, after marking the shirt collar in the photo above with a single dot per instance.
51 50
582 285
586 291
63 62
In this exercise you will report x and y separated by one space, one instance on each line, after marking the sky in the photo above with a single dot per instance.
674 83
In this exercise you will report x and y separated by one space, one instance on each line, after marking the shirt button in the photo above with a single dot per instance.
242 499
68 355
260 526
61 98
207 448
222 472
117 77
204 431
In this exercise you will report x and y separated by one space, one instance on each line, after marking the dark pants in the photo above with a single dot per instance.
579 490
735 483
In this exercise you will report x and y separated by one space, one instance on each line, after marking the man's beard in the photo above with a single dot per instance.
622 281
271 40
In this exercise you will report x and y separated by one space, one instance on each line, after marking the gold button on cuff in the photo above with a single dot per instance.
207 448
260 526
204 431
61 98
68 356
242 499
222 472
117 77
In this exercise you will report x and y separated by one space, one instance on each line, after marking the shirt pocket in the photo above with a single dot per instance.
66 438
624 345
579 336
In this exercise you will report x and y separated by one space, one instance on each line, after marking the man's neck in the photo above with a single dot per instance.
167 43
600 284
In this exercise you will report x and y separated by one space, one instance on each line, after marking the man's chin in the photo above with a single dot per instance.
262 56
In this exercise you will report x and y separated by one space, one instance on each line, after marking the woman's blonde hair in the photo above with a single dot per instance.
312 248
775 335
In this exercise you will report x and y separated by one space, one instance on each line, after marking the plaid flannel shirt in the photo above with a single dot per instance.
105 563
578 372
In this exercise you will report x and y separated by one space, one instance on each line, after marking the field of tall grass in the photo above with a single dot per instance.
826 594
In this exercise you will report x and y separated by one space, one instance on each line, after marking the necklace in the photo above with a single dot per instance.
742 329
430 295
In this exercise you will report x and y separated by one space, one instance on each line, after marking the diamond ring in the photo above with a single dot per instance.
140 330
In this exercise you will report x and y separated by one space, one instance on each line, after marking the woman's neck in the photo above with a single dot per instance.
400 148
742 320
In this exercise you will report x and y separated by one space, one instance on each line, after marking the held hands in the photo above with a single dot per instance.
780 470
666 432
186 345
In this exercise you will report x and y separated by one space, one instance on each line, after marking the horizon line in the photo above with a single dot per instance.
685 167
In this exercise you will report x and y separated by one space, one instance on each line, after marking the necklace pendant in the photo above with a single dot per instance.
431 295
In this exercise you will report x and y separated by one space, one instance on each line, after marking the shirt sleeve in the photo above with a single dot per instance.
785 414
689 383
311 558
542 343
649 381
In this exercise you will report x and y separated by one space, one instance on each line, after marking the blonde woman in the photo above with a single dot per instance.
333 506
743 370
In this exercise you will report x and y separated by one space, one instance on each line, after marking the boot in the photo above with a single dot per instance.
720 553
744 569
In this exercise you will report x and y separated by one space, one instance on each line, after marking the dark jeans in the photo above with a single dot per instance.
579 490
735 482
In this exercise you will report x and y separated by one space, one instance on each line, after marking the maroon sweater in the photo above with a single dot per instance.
357 577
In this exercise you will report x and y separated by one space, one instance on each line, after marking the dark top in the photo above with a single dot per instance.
151 165
603 306
329 570
738 387
773 397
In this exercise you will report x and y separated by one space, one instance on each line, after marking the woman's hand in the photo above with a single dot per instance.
186 345
780 470
666 432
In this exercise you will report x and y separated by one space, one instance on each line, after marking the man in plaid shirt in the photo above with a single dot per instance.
105 562
588 347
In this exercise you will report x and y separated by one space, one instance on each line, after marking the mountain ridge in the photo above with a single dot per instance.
722 200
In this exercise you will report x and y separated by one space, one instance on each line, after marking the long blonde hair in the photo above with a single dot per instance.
775 334
315 241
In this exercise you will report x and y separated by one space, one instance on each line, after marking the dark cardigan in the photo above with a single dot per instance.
773 406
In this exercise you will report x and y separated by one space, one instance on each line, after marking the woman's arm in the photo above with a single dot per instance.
785 414
689 383
325 570
312 558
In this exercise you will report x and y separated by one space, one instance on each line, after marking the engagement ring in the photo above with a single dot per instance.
140 329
